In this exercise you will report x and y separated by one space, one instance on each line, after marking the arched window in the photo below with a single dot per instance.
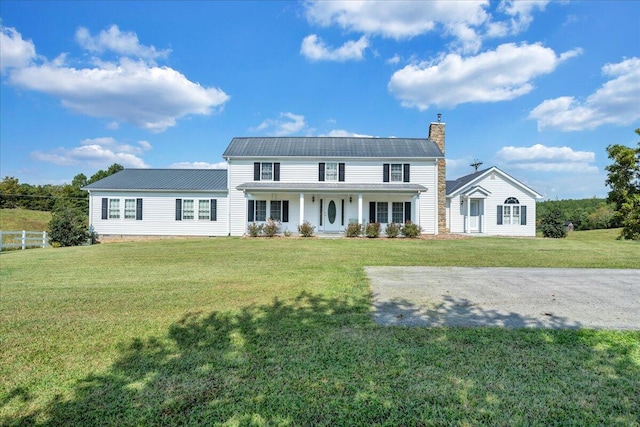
512 213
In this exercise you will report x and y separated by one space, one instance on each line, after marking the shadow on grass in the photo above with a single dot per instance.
320 361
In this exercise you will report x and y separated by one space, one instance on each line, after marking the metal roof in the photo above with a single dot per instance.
329 186
345 147
164 179
458 184
454 185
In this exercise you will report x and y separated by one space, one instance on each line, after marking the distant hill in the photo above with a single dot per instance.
24 219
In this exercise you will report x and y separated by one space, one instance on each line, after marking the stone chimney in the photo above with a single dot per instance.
436 134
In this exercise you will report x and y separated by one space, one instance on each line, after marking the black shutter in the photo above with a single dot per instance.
285 211
105 208
214 210
385 172
256 171
138 209
321 212
250 210
405 172
341 172
178 209
499 215
523 215
372 211
342 212
321 172
407 211
276 171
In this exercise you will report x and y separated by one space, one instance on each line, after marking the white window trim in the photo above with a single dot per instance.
333 174
262 171
399 172
130 214
114 209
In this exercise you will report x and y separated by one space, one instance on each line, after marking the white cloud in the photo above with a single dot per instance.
498 75
615 102
541 158
394 60
198 165
344 133
121 43
314 49
288 124
14 51
96 152
128 90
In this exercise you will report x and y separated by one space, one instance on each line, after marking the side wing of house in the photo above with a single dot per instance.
491 202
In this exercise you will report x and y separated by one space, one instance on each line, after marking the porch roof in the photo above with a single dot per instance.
331 187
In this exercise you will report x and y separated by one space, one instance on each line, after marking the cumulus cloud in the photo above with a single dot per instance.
615 102
541 158
15 52
314 49
287 124
198 165
344 133
130 90
122 43
97 152
497 75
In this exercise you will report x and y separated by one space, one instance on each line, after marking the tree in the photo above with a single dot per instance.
552 223
103 174
68 227
9 192
624 180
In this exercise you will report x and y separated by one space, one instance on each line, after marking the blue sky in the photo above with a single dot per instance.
538 89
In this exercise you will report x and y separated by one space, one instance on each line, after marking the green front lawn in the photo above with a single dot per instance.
278 332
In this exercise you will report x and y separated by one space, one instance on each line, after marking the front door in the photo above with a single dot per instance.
474 216
330 214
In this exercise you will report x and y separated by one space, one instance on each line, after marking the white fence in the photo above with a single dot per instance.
23 239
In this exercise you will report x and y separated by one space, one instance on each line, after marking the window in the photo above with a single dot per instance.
397 212
187 209
114 208
204 212
512 213
275 210
331 172
382 212
396 172
266 171
129 208
261 210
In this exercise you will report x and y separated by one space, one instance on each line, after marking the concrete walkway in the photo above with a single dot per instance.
507 297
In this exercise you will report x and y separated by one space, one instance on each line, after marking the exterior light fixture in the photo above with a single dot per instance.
313 199
350 199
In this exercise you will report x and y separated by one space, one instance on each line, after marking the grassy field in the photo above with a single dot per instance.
23 219
278 332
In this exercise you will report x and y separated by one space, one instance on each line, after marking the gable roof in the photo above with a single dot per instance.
332 147
456 186
164 179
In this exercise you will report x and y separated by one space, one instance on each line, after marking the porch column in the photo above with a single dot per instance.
360 208
466 219
301 208
416 199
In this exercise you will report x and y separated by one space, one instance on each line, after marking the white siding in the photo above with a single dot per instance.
159 215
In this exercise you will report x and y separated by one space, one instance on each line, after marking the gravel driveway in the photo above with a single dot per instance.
507 297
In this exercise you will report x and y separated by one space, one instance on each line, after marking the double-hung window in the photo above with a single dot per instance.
397 212
331 172
396 172
129 208
512 212
275 210
204 210
114 208
382 212
261 210
187 209
266 171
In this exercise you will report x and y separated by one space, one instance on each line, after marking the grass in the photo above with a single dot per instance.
23 219
278 332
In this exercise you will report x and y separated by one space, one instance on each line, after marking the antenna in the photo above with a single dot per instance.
476 163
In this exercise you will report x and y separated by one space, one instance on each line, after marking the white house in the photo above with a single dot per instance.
327 181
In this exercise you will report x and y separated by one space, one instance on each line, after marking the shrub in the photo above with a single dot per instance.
286 233
372 229
255 229
68 227
552 223
306 229
392 230
354 230
410 230
271 228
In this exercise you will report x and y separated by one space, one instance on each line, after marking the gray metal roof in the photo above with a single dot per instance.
345 147
164 179
329 186
454 185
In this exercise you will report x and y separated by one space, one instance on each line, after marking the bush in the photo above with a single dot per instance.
354 230
255 229
306 229
392 230
552 223
372 229
271 228
68 228
410 230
